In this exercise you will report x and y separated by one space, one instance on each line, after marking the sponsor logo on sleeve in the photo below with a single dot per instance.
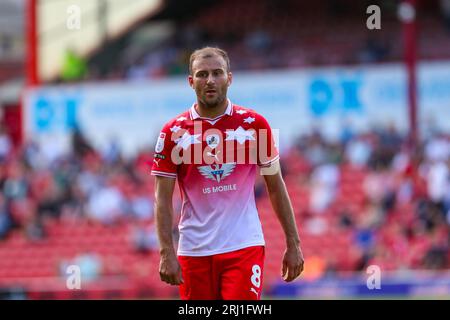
159 156
160 143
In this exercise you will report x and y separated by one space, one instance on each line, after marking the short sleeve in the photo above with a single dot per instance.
162 159
267 146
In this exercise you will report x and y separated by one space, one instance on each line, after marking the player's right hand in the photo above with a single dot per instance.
293 263
170 270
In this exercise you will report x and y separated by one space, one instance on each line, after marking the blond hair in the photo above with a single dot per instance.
208 52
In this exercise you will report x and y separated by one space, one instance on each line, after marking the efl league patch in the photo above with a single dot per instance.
160 143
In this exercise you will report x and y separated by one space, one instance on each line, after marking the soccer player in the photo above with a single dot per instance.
214 149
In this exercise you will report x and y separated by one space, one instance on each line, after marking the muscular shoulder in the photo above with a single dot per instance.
250 116
177 122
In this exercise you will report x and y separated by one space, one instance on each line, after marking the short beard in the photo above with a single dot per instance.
218 101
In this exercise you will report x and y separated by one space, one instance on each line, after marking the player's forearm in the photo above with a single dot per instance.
163 215
285 213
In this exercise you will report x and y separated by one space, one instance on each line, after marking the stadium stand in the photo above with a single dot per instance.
51 216
262 35
359 201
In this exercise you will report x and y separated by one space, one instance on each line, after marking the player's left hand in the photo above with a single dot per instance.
292 263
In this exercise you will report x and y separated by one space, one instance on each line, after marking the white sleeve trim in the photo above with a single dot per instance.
164 174
270 162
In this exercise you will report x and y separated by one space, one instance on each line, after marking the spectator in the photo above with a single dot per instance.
374 50
5 218
324 182
142 205
106 205
438 182
144 239
34 229
436 258
445 11
74 67
16 184
5 144
437 149
90 264
379 187
358 152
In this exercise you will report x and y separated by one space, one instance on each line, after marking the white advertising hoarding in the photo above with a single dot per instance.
294 102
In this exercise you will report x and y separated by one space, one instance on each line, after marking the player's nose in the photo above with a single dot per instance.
210 80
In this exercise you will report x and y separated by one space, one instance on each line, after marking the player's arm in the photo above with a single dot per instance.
293 257
169 268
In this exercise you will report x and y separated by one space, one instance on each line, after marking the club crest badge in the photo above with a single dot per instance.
212 140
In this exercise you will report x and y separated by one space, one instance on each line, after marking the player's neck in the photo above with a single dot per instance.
211 112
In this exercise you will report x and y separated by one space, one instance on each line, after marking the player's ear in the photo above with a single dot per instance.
230 78
191 81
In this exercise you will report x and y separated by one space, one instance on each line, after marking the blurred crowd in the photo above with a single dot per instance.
261 35
401 220
395 201
83 185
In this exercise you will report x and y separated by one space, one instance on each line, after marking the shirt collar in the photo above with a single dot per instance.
195 115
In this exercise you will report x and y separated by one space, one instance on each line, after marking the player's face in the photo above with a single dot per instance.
210 80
